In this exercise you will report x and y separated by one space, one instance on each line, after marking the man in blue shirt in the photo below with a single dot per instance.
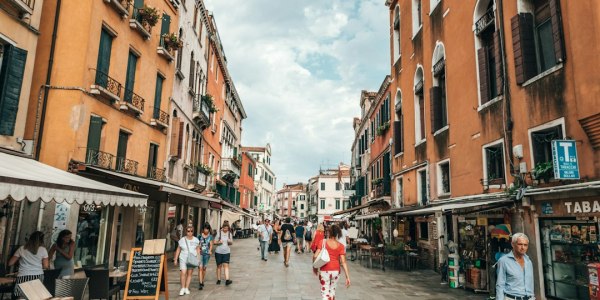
515 272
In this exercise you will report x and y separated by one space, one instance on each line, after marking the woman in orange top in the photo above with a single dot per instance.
317 238
330 272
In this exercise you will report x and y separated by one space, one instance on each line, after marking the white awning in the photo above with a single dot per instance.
24 178
452 206
366 217
347 215
230 216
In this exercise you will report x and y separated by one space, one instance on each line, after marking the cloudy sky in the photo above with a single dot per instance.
299 67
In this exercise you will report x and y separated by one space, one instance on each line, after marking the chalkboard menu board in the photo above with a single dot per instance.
146 277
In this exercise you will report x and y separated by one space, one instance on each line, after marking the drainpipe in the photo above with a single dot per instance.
48 77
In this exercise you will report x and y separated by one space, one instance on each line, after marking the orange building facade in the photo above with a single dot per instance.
247 191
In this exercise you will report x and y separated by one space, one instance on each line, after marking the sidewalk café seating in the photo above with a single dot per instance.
100 287
7 284
50 277
73 287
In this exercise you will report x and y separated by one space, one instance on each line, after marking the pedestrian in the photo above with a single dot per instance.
33 260
288 238
64 249
307 236
188 245
265 233
344 239
206 245
275 238
223 252
300 238
318 237
515 272
330 272
378 240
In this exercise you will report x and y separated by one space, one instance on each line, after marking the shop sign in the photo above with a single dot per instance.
547 208
579 207
564 157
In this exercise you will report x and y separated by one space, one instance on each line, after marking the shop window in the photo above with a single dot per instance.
541 142
494 165
423 231
443 171
87 250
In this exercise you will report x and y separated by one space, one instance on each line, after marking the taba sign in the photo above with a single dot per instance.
582 207
564 158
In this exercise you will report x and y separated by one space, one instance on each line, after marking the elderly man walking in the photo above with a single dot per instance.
515 272
265 231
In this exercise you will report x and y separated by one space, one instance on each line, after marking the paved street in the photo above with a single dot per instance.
256 279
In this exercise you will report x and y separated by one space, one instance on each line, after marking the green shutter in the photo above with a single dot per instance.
11 79
129 82
122 145
93 142
103 63
164 29
158 96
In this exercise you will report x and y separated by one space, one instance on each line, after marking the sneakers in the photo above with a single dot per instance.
228 282
187 291
219 281
182 292
201 286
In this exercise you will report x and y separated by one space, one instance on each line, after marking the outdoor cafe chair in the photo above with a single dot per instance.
100 287
72 287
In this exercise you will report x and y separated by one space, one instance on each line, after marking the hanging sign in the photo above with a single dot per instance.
564 158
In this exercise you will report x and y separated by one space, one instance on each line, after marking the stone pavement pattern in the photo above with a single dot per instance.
256 279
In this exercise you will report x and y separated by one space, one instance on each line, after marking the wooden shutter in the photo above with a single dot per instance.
398 137
11 80
482 60
436 108
180 141
94 133
130 80
122 144
164 27
523 47
138 3
175 136
498 60
557 32
103 63
157 96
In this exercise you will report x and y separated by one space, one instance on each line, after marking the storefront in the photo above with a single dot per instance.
567 230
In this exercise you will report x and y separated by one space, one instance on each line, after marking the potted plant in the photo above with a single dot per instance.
148 15
377 181
211 104
381 129
205 169
543 171
172 41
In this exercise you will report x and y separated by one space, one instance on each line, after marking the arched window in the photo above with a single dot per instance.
397 50
439 117
192 72
417 15
487 43
398 125
419 106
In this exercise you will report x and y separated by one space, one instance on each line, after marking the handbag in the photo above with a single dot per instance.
322 258
192 261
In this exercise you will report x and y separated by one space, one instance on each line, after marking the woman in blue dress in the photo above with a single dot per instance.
64 249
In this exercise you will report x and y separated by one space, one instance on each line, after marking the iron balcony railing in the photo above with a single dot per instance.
161 116
201 111
127 165
138 17
99 158
29 3
381 190
156 173
227 164
108 83
135 100
486 20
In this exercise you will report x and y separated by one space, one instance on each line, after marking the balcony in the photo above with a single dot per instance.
120 6
23 8
157 174
128 166
229 165
159 119
165 51
201 112
380 189
132 102
136 23
106 87
485 21
99 159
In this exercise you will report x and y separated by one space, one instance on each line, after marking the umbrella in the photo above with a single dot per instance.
501 231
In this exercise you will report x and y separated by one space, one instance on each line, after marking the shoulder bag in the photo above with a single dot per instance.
322 258
192 260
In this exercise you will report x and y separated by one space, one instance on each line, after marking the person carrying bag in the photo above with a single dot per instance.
322 256
188 260
330 255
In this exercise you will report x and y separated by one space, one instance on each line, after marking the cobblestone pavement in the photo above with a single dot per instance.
256 279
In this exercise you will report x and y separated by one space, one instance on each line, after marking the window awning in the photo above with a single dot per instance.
25 178
460 207
366 217
370 203
347 215
161 186
230 216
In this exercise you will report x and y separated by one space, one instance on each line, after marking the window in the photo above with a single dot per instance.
338 186
538 38
419 106
12 68
397 50
322 186
439 118
192 72
422 187
346 204
541 142
158 96
494 164
346 186
399 193
152 161
489 61
302 197
250 170
337 203
423 231
301 206
180 54
417 21
103 63
433 4
322 200
130 79
93 143
164 28
443 171
398 125
122 164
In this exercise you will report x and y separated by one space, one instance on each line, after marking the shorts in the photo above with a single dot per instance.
183 265
222 258
204 261
287 244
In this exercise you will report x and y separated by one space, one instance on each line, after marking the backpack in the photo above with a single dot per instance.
288 235
308 234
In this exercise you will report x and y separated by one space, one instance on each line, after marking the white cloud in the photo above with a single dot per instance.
299 67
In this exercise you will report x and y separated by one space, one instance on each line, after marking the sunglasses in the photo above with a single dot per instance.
190 231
